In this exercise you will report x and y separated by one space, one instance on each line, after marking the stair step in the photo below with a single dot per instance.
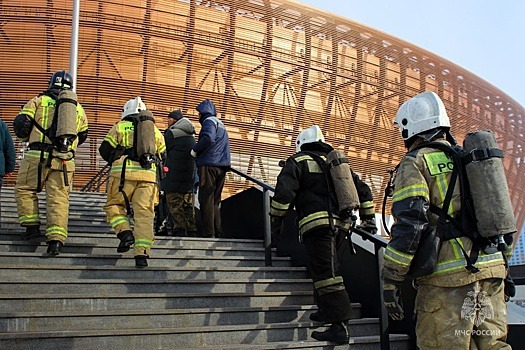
95 239
64 272
170 338
154 286
127 259
147 301
161 318
109 247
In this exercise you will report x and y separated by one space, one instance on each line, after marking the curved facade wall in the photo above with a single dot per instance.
271 67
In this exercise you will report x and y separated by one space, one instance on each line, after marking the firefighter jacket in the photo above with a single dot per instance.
422 178
117 145
302 183
181 165
41 109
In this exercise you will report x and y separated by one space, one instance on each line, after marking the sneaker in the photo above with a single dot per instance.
141 261
54 247
32 232
126 241
336 333
317 316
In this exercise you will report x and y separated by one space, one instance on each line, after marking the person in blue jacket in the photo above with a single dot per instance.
213 160
7 155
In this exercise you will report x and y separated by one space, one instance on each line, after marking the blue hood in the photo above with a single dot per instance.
206 109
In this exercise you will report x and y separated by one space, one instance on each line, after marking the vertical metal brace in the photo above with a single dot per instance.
267 233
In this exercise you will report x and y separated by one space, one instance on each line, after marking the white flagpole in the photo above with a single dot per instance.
73 61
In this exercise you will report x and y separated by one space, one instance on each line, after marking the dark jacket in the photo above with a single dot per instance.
7 150
302 183
213 147
181 165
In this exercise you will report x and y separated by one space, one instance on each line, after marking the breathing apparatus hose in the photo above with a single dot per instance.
389 192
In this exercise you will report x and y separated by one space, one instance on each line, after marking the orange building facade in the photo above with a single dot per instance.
271 67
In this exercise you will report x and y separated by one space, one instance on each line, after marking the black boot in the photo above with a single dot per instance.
53 247
141 261
336 333
126 241
32 232
317 316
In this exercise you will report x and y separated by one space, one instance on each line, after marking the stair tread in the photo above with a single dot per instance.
162 311
153 268
116 332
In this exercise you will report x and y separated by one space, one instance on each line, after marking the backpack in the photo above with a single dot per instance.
340 182
63 129
480 172
144 142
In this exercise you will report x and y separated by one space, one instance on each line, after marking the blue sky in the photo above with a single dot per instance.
485 37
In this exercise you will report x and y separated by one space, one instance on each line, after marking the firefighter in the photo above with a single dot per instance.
455 306
302 183
49 162
133 179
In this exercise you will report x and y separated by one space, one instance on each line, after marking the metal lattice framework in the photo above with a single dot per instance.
271 67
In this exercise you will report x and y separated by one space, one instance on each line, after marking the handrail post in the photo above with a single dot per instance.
266 227
383 315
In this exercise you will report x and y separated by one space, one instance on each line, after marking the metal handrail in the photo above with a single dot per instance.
97 180
379 245
266 189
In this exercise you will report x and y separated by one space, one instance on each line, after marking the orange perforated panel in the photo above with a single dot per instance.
271 67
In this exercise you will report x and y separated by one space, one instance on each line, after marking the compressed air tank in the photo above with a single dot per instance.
145 129
344 186
488 184
66 124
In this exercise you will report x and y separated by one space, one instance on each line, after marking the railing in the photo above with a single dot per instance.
379 243
97 181
266 189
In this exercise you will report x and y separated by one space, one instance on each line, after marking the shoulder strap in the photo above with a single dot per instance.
442 212
324 167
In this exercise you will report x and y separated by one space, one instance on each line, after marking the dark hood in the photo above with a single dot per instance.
206 109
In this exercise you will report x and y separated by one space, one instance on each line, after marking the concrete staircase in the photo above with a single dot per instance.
196 294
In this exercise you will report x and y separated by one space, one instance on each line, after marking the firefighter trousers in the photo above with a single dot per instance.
57 198
462 318
143 197
332 298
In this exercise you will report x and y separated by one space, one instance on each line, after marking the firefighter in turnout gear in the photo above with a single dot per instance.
133 179
456 305
49 163
302 183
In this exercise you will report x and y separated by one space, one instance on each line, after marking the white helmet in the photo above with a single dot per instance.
133 106
312 134
422 112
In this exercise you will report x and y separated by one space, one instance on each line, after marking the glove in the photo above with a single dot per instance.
193 154
392 300
368 224
276 224
509 288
